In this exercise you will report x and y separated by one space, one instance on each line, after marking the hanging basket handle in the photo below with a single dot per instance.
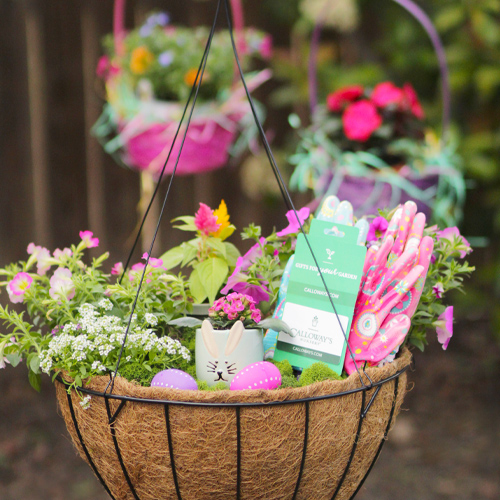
119 25
431 31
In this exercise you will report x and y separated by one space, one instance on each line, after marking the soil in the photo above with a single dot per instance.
445 444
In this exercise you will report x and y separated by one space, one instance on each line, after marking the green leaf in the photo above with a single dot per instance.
232 254
212 272
35 380
14 359
172 258
217 245
196 287
188 223
187 321
190 252
275 324
35 364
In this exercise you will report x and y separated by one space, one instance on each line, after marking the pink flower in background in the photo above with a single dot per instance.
152 261
438 290
412 101
444 327
386 93
360 120
377 228
61 284
42 257
451 234
88 239
266 47
293 223
16 288
117 268
205 220
62 254
336 101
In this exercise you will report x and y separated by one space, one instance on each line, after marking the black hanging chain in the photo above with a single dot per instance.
277 173
196 86
284 191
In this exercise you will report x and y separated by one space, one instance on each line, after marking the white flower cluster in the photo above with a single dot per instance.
85 402
96 340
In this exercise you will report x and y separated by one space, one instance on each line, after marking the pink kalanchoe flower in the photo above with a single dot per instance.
444 327
16 288
152 261
256 316
88 239
360 120
451 234
117 268
293 224
438 290
205 221
386 93
61 284
377 228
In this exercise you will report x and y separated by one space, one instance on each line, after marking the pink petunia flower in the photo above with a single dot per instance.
205 220
88 239
360 120
152 261
61 284
438 290
377 228
336 101
386 94
62 254
42 256
444 327
293 223
16 288
117 268
452 234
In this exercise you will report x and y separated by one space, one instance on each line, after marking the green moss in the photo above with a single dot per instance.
138 373
289 381
284 367
219 386
317 372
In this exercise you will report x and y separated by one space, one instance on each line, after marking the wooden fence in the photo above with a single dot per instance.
55 178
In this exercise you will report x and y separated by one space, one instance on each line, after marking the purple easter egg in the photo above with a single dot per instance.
261 375
174 379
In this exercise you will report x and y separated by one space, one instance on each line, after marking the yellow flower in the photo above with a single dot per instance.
140 60
226 229
190 77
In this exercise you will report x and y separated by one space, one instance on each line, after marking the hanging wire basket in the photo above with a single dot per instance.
437 187
315 442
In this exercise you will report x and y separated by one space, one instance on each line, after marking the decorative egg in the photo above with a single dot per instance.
174 379
261 375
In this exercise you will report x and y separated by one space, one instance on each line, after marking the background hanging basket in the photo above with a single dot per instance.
434 182
149 443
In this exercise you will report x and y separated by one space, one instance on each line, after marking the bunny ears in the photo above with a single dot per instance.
235 335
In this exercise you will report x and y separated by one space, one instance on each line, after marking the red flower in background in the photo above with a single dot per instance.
386 93
411 100
336 101
360 120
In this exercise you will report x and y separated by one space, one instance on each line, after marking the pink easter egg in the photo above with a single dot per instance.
174 379
261 375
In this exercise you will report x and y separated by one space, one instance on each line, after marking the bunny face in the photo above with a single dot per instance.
221 354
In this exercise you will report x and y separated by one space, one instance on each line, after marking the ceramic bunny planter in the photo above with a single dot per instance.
221 354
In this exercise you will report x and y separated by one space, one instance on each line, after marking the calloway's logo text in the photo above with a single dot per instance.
311 336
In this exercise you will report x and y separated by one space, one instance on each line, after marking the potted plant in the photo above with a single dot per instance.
370 146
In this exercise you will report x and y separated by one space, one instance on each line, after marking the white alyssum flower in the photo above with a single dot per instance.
151 319
105 304
85 402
